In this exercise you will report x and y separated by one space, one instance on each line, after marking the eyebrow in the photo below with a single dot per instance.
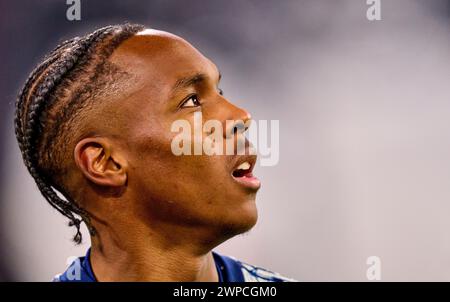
191 81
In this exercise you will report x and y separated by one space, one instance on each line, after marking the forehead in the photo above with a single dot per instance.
160 57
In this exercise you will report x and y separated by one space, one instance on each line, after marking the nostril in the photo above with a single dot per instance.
234 127
239 127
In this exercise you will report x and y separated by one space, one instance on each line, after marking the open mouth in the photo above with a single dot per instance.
243 173
243 170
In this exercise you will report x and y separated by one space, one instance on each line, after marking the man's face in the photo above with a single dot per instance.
188 190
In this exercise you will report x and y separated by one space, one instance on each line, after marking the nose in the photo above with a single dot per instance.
238 120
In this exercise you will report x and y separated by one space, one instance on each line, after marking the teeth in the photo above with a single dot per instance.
244 166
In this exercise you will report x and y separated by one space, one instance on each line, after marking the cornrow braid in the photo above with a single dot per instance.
42 90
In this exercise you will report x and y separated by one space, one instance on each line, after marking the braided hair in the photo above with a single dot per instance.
65 83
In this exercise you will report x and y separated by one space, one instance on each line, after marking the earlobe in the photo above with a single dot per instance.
98 163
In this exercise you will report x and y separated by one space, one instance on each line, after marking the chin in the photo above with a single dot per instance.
240 220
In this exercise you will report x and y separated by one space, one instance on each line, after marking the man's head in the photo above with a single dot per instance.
94 122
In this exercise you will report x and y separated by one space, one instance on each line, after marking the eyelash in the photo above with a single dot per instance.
194 96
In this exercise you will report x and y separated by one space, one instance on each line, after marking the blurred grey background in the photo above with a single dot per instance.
364 110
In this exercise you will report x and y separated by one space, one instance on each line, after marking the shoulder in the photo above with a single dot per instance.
234 270
78 271
229 268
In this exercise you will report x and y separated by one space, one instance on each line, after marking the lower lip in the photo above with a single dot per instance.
248 181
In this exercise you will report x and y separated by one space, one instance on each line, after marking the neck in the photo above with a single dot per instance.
147 256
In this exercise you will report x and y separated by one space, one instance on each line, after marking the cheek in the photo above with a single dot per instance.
157 172
183 178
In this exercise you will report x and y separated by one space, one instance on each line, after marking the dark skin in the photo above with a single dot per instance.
157 215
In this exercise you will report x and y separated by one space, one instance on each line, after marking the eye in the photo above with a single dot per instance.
220 91
190 102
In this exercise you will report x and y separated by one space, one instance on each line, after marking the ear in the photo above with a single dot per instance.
100 163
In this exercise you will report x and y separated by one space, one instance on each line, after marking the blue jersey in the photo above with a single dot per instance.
228 269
